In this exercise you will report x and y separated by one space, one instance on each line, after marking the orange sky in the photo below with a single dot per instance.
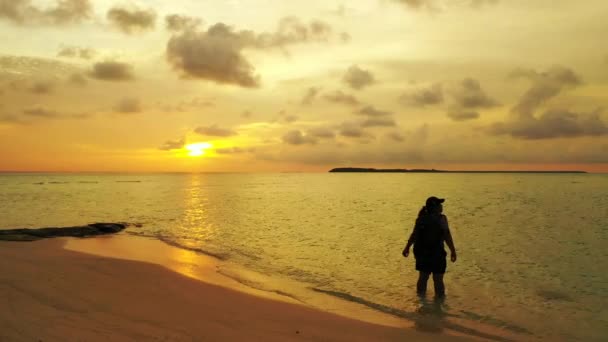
107 85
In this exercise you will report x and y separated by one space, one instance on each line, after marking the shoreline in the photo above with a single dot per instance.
176 294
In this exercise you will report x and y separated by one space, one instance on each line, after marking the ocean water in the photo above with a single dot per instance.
532 248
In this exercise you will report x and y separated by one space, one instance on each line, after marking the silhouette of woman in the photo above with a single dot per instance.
430 232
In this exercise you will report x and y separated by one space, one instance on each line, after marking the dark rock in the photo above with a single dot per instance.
79 231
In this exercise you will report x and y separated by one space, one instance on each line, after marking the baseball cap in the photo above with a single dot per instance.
434 201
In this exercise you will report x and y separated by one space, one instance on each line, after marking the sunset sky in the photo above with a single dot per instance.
272 86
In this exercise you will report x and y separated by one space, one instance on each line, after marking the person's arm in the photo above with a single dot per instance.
448 237
411 240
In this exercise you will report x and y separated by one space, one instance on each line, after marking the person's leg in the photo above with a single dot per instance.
438 283
422 280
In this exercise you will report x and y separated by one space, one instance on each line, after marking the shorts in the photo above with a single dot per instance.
431 264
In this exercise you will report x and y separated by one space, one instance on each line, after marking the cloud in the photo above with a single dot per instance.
310 95
19 68
295 137
292 30
379 122
345 37
112 71
421 134
321 132
553 123
62 12
132 20
291 118
482 3
469 94
173 145
42 88
431 95
176 22
352 130
371 111
340 97
217 54
213 55
194 103
214 131
234 150
545 85
467 98
417 4
440 5
77 79
76 52
128 105
358 78
459 114
396 136
41 112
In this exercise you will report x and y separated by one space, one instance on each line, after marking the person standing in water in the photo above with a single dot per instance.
430 232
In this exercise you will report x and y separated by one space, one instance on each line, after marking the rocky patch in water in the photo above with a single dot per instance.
93 229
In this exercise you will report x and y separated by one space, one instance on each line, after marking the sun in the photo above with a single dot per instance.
197 149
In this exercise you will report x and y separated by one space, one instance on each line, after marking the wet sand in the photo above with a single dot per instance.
52 292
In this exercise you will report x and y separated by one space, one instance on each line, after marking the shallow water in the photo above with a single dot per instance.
531 247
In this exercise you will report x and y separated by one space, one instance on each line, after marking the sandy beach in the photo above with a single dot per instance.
52 292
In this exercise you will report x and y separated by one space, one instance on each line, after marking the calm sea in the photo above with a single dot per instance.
533 248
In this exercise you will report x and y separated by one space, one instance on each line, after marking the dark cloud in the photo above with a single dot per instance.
213 55
431 95
340 97
295 137
214 131
379 122
459 114
112 71
358 78
545 85
173 145
469 94
76 52
132 20
62 12
128 105
310 96
41 112
321 132
217 54
176 22
42 88
371 111
554 123
467 98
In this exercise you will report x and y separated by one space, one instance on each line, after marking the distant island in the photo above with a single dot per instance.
362 169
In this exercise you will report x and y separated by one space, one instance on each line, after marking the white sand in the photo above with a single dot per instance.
49 293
